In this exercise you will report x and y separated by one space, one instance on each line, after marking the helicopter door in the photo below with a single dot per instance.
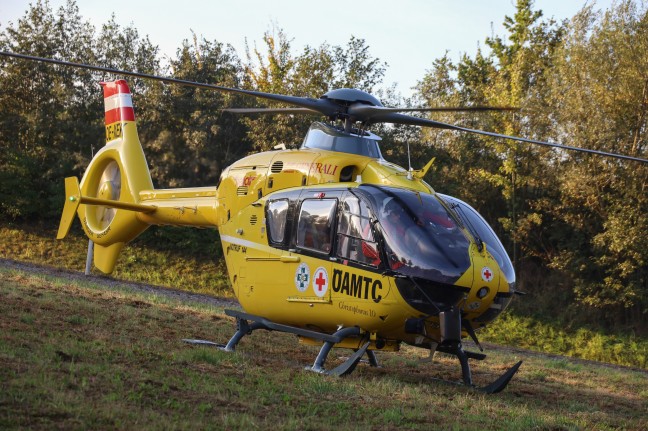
356 243
314 242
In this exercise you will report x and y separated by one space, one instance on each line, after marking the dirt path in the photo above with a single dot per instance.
114 283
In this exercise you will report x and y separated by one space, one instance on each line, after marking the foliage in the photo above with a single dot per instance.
584 343
39 125
311 74
599 91
49 125
190 140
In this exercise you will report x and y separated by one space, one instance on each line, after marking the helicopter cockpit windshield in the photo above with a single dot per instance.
328 138
422 239
484 232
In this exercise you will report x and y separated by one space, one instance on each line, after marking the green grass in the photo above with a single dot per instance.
81 356
529 333
173 257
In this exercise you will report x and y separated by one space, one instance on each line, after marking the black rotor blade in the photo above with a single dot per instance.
323 106
305 111
367 114
382 109
375 114
414 121
451 109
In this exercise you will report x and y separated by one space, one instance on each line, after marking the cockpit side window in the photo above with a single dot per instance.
276 215
314 227
484 232
355 237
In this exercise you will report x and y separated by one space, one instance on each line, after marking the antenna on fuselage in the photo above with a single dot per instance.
409 163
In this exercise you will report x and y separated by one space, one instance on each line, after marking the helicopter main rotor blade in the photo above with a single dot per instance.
336 104
271 111
451 109
377 114
308 111
323 106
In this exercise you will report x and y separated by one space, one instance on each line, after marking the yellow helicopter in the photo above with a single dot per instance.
330 242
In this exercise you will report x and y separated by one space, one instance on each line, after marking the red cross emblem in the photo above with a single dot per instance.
487 274
320 282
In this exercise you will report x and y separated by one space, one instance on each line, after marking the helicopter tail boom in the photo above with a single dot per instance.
187 207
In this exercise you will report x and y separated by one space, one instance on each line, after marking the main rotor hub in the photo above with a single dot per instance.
351 95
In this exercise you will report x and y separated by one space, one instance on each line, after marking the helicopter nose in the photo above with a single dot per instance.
491 291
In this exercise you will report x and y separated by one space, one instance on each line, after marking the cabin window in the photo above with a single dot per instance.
314 229
355 238
276 214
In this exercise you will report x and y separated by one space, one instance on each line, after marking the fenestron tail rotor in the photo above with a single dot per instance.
109 188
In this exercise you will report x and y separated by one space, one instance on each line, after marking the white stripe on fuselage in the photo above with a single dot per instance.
118 101
249 244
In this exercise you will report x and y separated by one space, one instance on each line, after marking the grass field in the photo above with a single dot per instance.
79 355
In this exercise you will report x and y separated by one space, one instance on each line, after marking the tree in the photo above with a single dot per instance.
599 93
52 114
578 220
191 140
44 109
506 181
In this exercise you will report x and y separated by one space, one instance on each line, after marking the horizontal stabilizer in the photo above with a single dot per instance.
73 199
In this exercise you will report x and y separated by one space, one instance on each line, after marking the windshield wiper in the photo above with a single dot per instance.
394 273
466 222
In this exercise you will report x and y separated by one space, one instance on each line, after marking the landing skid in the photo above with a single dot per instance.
245 328
451 345
451 324
496 386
